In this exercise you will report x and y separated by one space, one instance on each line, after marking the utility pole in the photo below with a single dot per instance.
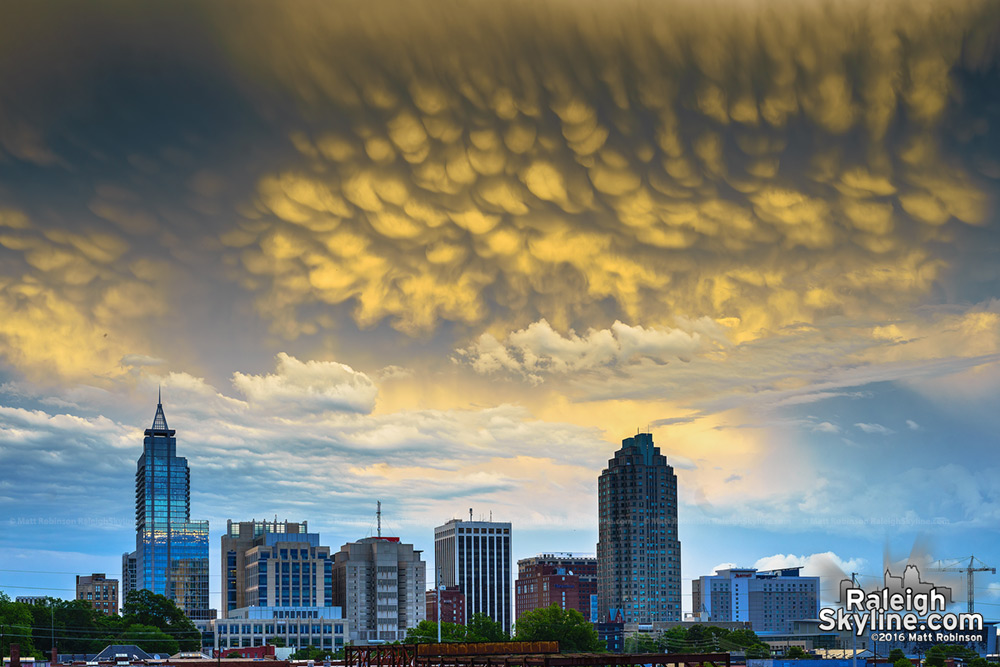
437 595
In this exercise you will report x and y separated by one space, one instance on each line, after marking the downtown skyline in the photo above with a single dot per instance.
451 258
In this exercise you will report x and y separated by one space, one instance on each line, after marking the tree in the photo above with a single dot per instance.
934 657
674 640
276 642
567 626
796 653
150 639
15 617
426 632
144 607
486 629
707 638
74 622
636 643
313 653
895 654
902 662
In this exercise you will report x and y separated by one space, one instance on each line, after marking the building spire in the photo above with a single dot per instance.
159 419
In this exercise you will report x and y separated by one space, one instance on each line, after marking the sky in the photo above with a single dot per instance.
448 255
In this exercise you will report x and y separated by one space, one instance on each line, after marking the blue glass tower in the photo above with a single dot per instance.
171 550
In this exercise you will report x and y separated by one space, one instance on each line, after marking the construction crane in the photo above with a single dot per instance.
969 570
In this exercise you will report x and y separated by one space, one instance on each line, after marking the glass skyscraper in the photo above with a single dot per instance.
639 552
171 550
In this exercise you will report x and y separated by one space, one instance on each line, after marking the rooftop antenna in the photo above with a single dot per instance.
491 515
470 514
378 515
159 395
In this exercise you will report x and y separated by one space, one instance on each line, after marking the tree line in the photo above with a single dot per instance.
150 621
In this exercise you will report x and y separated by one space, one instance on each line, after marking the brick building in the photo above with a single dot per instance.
99 591
565 579
453 605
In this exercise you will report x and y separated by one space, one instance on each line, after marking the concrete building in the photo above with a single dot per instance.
769 600
638 552
271 563
452 605
31 599
322 627
565 579
476 557
129 580
380 583
99 591
171 550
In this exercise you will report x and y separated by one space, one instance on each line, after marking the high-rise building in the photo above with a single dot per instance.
171 550
129 577
380 584
769 600
563 579
99 591
639 552
272 563
476 557
452 605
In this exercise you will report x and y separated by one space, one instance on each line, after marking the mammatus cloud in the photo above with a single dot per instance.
73 302
758 167
637 165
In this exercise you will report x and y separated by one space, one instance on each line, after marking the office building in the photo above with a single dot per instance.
99 591
564 579
128 575
171 550
769 600
33 599
476 557
452 605
271 563
638 552
612 633
322 627
380 583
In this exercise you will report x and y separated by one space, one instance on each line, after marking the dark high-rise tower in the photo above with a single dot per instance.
638 552
476 557
171 551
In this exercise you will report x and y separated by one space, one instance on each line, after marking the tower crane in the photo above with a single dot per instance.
975 565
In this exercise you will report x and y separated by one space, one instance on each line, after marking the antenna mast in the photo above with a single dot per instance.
378 516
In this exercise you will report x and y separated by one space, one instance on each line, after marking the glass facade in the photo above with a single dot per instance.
171 553
638 552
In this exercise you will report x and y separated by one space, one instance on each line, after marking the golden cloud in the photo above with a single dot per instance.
599 170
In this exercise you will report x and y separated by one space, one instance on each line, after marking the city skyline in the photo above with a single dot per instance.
449 256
